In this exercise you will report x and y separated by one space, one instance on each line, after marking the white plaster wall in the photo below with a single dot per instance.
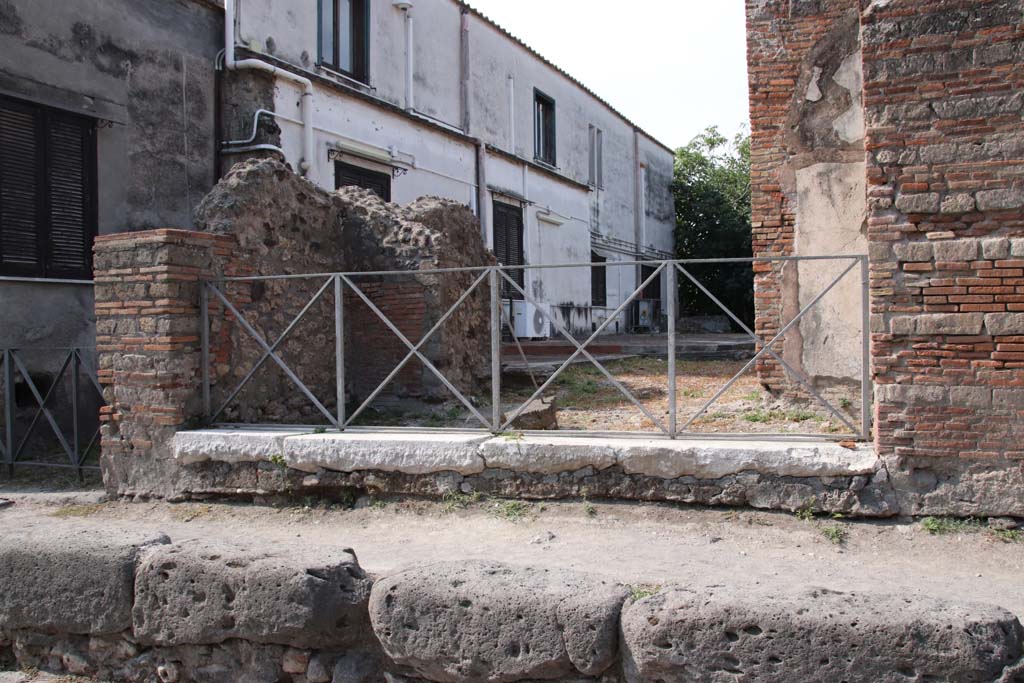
830 222
446 166
443 165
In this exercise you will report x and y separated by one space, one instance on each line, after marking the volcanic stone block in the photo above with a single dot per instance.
69 581
485 621
208 592
773 633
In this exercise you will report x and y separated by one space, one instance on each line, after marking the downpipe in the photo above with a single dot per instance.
306 102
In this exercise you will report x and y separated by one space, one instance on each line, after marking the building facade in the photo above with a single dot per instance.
432 98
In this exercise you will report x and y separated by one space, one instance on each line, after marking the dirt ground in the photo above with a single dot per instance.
639 544
587 400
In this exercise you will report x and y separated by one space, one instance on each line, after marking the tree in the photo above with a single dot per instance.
712 200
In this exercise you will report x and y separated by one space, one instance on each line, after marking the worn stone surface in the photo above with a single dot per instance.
929 485
69 580
229 445
487 621
711 460
414 453
548 454
1004 323
858 496
208 592
721 634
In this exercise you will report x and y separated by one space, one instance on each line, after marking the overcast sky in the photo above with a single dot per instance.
672 66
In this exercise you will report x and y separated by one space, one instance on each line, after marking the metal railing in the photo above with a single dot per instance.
74 449
497 422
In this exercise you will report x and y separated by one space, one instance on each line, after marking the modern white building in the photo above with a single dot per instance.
430 97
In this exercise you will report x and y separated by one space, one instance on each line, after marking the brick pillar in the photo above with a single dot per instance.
148 346
943 85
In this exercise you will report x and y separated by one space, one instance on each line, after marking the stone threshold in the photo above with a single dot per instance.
468 453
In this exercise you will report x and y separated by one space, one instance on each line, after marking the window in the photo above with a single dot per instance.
344 26
47 192
598 281
596 175
346 175
543 128
508 244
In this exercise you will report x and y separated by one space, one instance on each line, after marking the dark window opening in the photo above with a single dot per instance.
598 281
508 245
47 192
343 36
543 128
346 175
652 290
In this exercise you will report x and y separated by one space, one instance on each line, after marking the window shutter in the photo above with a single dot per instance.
20 191
508 244
70 242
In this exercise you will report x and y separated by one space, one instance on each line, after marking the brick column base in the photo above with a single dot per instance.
148 347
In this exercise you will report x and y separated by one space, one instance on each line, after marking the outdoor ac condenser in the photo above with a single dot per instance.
529 322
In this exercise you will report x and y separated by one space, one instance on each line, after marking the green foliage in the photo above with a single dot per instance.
711 188
835 533
456 500
512 510
938 526
1007 535
278 461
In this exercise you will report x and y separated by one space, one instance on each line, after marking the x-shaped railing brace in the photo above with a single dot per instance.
11 363
767 347
581 349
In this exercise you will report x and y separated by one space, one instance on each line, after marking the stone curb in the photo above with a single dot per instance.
472 453
211 611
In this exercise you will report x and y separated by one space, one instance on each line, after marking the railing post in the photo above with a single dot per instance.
204 343
75 365
9 409
672 300
495 350
339 350
865 386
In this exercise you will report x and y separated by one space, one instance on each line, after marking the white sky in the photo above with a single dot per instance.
671 66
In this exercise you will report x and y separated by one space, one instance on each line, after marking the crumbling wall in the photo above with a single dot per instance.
285 225
807 183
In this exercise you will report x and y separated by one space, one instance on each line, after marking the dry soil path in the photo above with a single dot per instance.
640 544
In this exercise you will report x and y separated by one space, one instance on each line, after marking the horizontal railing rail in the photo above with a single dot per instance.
499 277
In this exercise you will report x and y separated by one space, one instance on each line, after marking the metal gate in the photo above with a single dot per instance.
70 438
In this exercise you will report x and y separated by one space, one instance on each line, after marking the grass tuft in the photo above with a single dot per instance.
938 526
512 510
643 590
456 500
835 533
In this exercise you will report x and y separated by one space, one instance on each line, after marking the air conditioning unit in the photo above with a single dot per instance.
529 322
645 310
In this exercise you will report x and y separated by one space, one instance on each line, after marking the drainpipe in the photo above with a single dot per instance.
464 69
306 103
481 193
406 7
511 114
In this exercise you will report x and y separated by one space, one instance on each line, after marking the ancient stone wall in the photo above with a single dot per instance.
285 225
143 607
807 186
942 193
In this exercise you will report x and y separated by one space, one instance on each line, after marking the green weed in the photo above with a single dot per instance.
512 510
456 500
643 590
938 526
1007 535
835 533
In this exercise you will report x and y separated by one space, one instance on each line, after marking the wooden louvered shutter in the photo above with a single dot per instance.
47 192
508 244
21 159
69 183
